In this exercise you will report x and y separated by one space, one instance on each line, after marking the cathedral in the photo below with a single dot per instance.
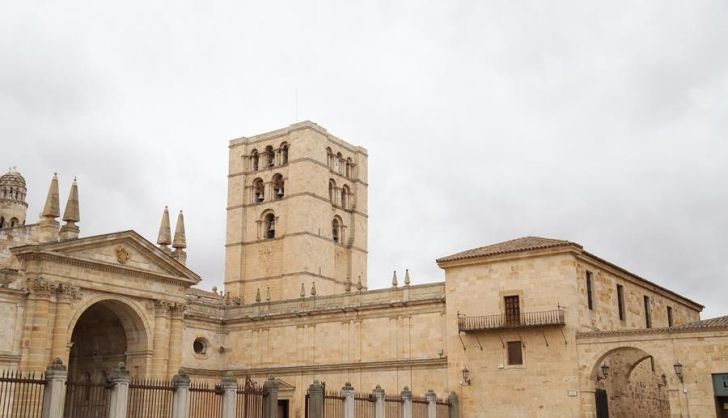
528 327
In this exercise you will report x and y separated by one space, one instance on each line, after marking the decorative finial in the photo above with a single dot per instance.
303 291
52 209
180 241
406 277
165 233
267 295
347 285
394 279
313 289
359 286
72 214
257 296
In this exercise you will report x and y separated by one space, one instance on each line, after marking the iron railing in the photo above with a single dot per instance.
419 407
150 398
21 394
249 400
87 399
205 400
333 405
524 320
393 406
442 409
364 405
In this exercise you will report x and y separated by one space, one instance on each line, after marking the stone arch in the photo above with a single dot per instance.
637 383
106 330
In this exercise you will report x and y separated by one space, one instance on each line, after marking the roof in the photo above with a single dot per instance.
713 324
512 246
12 178
719 322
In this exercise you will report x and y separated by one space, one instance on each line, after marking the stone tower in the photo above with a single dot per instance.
296 215
13 207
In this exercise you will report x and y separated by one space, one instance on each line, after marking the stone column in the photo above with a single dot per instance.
348 393
431 404
39 324
181 398
378 394
54 394
316 400
270 398
454 407
406 402
161 349
229 387
118 401
175 337
65 295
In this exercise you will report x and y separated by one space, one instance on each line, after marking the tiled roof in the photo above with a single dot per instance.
713 324
721 321
512 246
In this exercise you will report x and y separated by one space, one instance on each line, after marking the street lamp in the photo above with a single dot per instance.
605 372
678 370
466 375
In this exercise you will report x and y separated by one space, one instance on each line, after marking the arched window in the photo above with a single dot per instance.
329 158
2 222
270 156
332 191
255 160
278 186
345 197
258 190
270 226
336 230
337 162
14 222
284 153
349 167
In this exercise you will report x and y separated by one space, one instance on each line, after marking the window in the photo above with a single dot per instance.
258 190
2 222
515 353
14 222
278 189
255 159
270 156
589 300
648 319
284 153
337 162
513 310
270 226
200 346
345 197
620 301
329 158
349 166
332 191
669 316
336 230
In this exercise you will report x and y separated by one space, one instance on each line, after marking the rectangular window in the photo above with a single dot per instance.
515 353
648 320
669 316
620 301
589 300
513 310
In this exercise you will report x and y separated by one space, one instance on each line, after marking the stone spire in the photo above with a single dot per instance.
394 279
52 208
180 242
72 214
407 280
48 228
165 233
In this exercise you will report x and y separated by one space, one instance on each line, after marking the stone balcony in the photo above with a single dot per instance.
554 318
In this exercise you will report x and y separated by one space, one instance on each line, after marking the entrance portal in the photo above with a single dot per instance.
104 335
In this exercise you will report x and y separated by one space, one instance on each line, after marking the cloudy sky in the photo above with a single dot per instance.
605 123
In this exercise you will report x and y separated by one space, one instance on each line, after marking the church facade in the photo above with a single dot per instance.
529 327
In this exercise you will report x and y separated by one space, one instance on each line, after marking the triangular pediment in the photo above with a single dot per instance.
126 250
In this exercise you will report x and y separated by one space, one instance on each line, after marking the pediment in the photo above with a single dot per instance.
127 250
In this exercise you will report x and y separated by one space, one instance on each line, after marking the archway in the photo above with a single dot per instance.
634 385
106 333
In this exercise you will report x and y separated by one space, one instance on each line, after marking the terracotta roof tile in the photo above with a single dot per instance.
512 246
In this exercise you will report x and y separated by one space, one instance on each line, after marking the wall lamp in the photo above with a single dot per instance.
605 372
678 370
466 376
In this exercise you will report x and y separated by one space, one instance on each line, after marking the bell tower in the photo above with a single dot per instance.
13 206
296 215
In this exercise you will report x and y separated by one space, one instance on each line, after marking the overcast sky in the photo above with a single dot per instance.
603 123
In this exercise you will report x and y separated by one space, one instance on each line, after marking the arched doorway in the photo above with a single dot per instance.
106 333
630 383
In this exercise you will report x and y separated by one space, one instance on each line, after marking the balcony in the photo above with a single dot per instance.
553 318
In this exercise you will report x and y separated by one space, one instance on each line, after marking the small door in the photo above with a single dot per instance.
513 310
602 404
283 408
721 405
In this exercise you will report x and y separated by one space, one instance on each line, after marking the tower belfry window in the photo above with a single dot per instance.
255 160
278 186
258 190
332 191
284 153
270 226
336 230
270 156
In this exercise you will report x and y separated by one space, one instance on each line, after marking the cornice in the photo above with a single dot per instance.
260 171
257 241
319 368
266 203
648 331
